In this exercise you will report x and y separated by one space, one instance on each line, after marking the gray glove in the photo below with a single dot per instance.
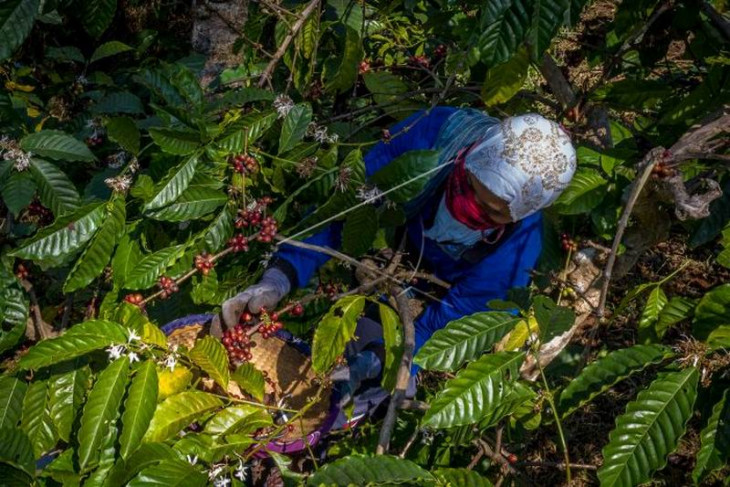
273 286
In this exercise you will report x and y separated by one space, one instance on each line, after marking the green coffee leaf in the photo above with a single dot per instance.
178 411
464 339
139 407
649 430
101 411
56 145
335 329
210 355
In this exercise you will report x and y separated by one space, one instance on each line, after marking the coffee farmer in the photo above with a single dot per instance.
477 223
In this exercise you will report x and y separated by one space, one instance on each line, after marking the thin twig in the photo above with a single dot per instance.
409 443
266 74
559 465
42 329
413 405
475 460
404 370
496 457
67 309
349 260
644 171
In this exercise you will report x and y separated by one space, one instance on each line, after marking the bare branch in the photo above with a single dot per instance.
266 74
558 84
644 171
40 329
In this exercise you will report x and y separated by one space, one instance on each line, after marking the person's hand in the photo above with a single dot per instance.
267 293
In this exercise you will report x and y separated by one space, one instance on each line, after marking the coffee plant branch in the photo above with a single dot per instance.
717 18
42 330
691 142
369 269
266 75
404 370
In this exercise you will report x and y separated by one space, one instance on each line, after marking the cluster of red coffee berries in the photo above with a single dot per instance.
330 289
569 245
269 324
419 60
269 227
204 262
135 299
238 344
168 286
254 214
512 458
21 272
661 169
94 140
245 164
297 309
364 67
439 51
238 243
39 213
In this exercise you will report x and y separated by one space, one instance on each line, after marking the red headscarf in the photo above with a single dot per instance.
461 200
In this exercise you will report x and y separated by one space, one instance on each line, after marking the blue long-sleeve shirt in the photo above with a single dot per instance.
473 285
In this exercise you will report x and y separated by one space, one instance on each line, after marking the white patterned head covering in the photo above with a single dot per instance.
527 161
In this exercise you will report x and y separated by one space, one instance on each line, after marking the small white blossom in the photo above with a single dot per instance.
283 105
115 351
344 176
11 151
192 459
221 482
215 471
320 134
82 80
241 471
133 165
95 124
115 161
371 194
133 357
22 161
265 258
170 362
132 335
119 184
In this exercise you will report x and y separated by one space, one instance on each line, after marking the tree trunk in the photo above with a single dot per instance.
217 25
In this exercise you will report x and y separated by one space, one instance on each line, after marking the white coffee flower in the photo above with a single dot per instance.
132 335
241 471
170 362
115 351
133 357
119 184
371 194
283 105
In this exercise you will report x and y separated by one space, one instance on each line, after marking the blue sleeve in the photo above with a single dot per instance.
306 262
508 267
422 135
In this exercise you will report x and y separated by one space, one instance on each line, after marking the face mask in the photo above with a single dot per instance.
461 199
